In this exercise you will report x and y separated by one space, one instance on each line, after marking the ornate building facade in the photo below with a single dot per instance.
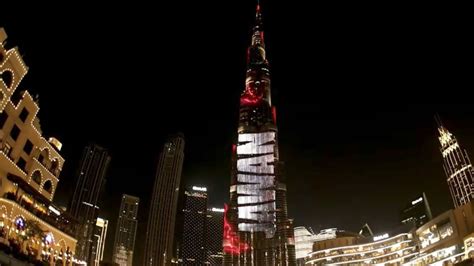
30 166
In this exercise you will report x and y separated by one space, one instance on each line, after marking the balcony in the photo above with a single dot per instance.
61 222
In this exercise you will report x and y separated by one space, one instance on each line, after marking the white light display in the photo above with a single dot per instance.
256 182
417 200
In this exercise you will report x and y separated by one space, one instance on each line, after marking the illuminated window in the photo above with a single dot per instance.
28 147
15 132
24 114
3 118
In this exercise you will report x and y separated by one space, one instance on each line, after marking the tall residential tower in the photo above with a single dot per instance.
84 204
126 230
164 201
457 166
257 230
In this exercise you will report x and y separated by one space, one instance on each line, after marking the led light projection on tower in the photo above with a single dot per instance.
256 182
257 228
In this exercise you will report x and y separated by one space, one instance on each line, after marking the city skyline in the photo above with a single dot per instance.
372 145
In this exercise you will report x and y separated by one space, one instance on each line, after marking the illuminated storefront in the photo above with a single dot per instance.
352 250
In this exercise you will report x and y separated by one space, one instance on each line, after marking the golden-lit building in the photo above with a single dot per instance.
448 238
385 249
30 166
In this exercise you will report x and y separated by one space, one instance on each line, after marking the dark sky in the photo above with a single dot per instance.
127 75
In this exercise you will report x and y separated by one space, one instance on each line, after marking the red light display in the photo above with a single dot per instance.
274 114
231 241
252 95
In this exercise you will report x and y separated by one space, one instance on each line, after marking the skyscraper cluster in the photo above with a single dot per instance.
252 228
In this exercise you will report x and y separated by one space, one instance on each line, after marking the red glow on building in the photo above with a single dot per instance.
251 96
231 241
234 149
274 114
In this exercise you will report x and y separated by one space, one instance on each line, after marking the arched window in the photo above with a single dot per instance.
48 186
44 156
7 78
36 176
55 167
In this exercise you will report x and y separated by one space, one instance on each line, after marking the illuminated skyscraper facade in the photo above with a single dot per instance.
84 203
164 203
215 227
98 241
257 230
126 230
192 247
457 166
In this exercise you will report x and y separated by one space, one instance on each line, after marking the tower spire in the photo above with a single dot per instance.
257 37
438 120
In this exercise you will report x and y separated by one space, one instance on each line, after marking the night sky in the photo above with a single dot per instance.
356 151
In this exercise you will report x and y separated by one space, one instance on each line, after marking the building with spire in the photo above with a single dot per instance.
257 230
457 166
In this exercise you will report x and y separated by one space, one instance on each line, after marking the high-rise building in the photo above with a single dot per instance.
30 165
215 227
417 211
258 231
192 241
126 230
98 241
84 204
457 166
164 201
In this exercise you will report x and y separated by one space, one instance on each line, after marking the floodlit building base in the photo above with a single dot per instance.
55 247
